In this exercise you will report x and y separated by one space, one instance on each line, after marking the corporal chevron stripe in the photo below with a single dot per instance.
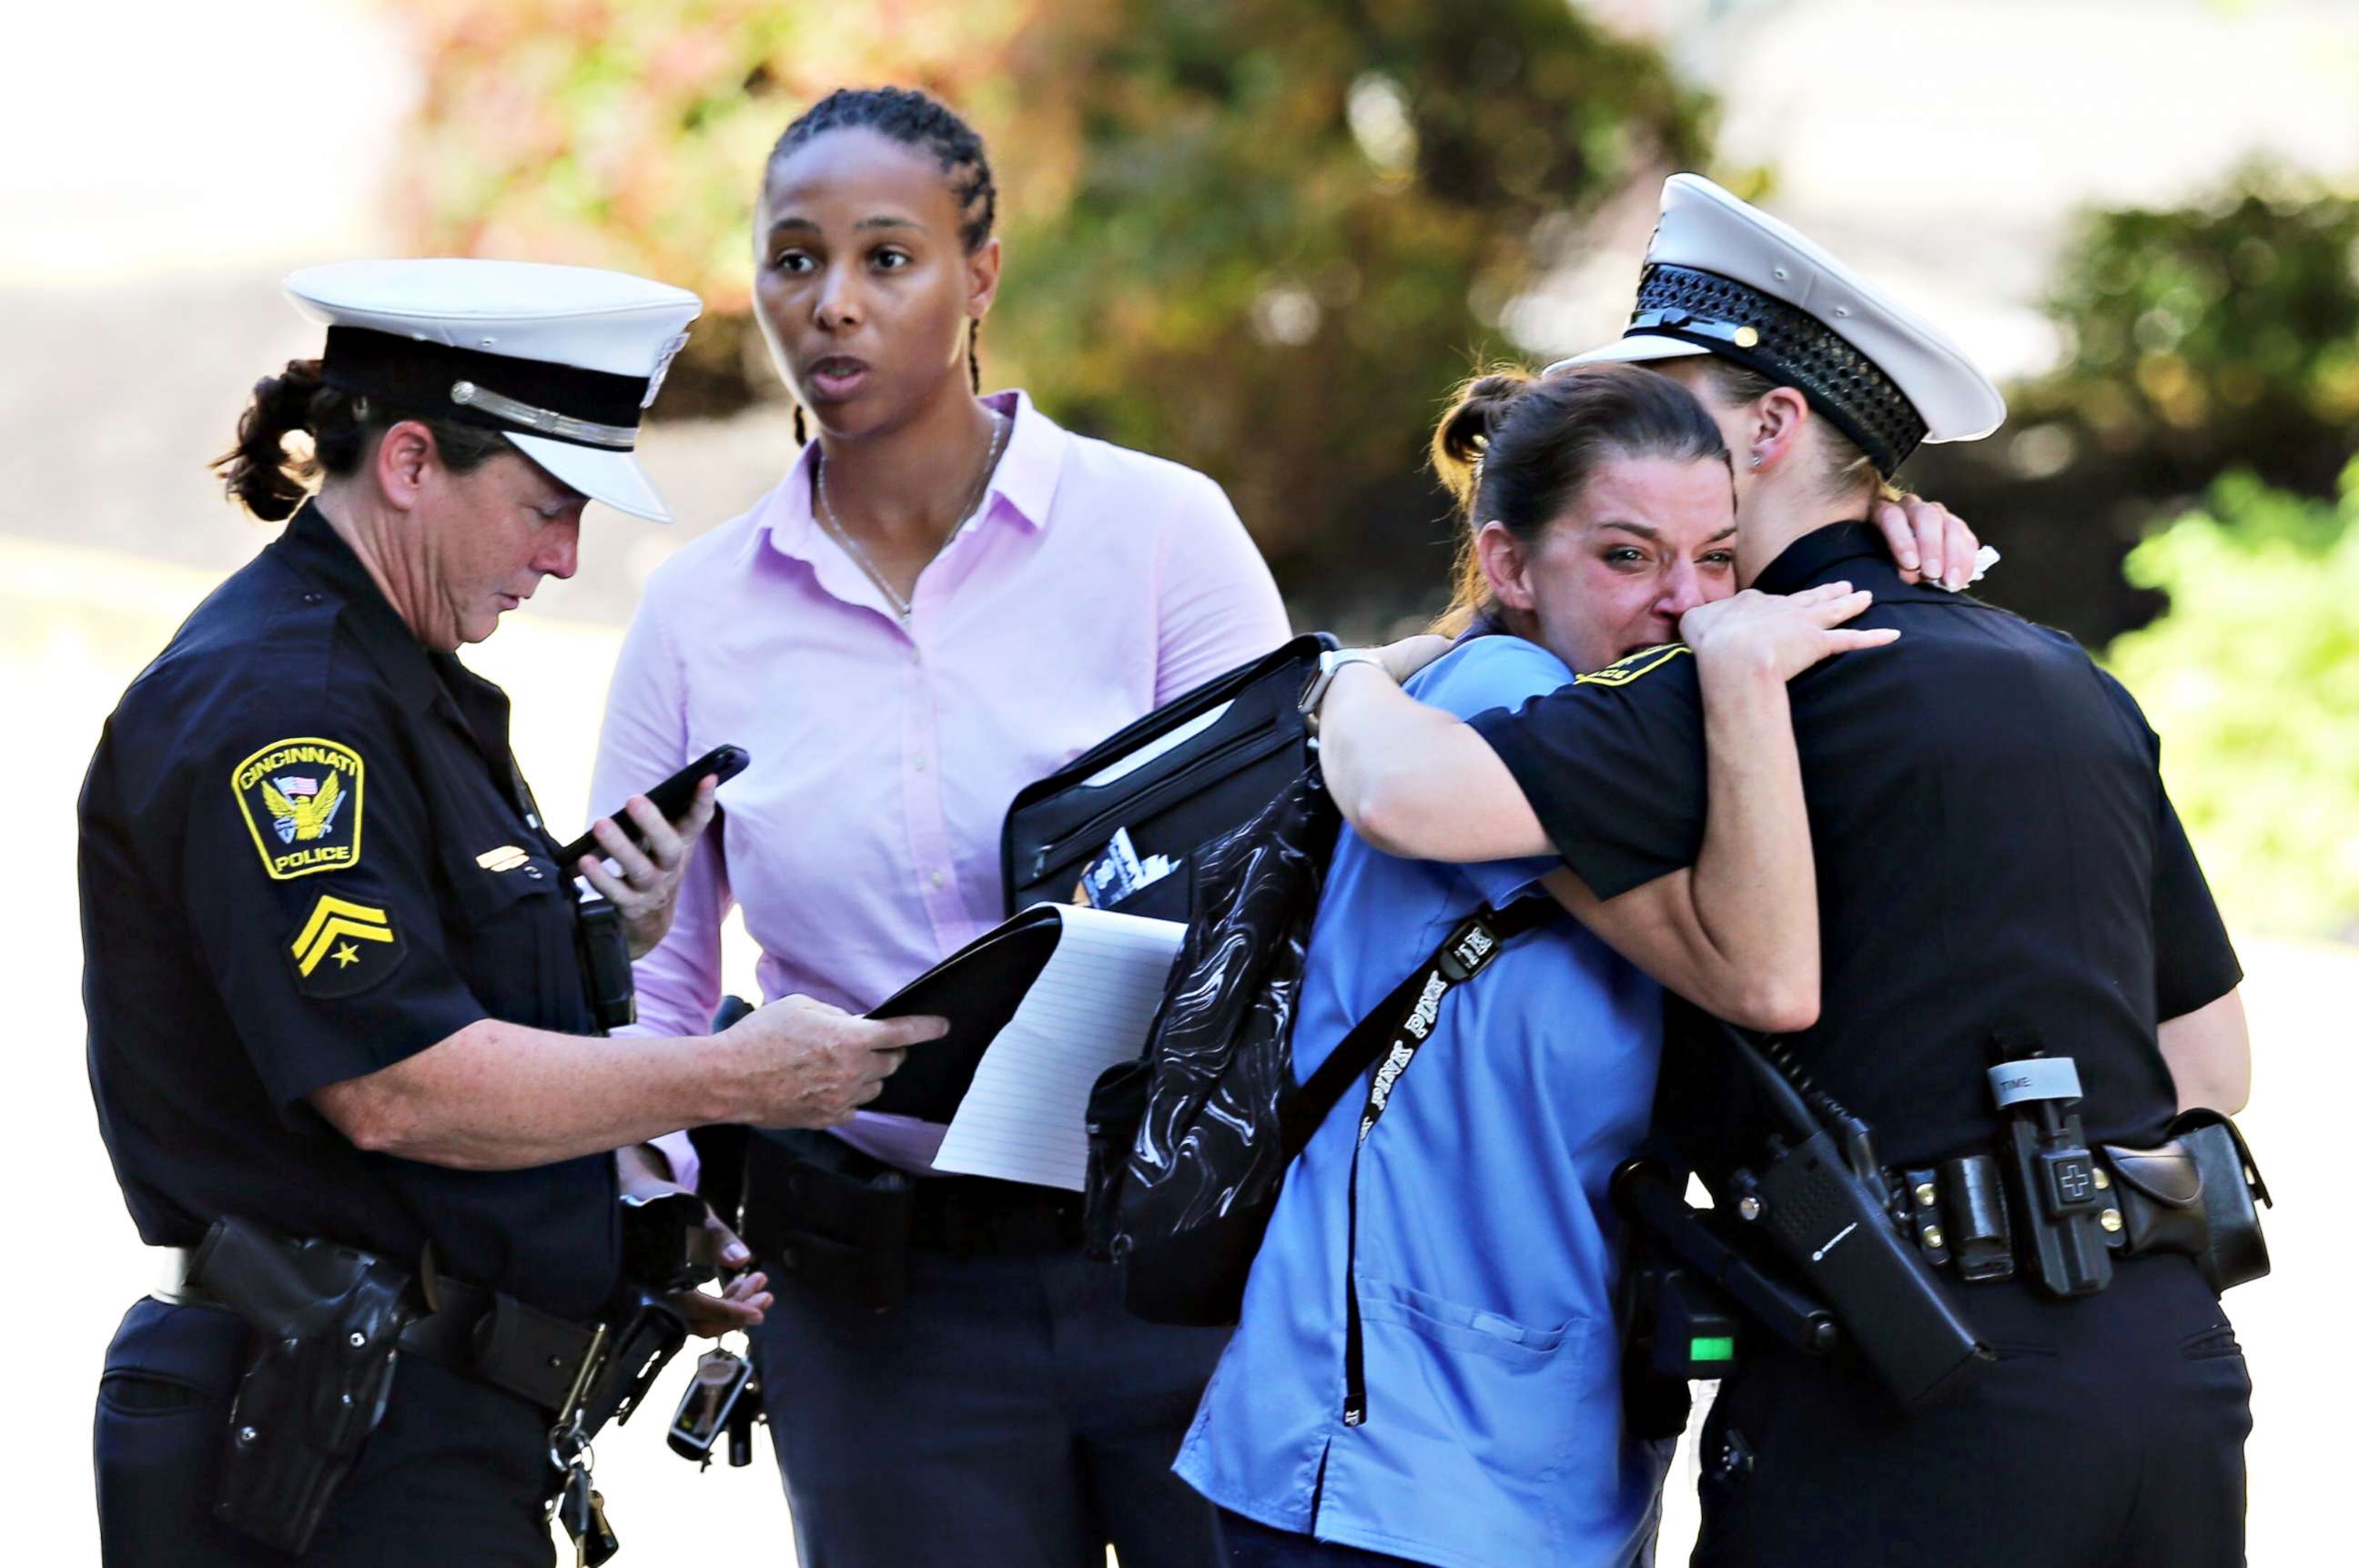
332 918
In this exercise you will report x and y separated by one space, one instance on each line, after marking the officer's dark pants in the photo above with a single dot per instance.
457 1474
1009 1412
2110 1434
1249 1544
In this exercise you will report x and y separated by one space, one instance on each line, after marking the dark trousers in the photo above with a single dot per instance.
1249 1544
2110 1434
1009 1412
457 1474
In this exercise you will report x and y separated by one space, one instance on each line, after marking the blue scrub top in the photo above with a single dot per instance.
1487 1249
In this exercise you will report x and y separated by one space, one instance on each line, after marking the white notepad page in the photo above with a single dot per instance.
1022 1118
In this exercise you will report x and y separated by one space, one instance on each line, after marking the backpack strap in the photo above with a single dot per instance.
1382 1044
1358 1052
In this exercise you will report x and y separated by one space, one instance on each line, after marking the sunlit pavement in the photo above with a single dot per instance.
76 624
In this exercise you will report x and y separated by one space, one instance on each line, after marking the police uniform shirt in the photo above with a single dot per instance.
307 855
1995 850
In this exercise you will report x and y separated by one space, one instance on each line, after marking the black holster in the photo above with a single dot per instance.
326 1321
817 1208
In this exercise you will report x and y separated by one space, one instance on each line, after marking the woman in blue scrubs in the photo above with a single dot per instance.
1481 1249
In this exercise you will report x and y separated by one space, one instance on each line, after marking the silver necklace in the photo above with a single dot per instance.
903 608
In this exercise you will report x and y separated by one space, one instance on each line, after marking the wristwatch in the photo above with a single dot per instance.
1329 661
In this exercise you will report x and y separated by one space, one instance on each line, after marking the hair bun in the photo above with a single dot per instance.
258 473
1475 412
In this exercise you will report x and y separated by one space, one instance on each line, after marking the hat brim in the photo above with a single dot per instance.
1634 350
613 478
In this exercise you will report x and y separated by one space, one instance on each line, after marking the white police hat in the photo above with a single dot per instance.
1722 276
561 360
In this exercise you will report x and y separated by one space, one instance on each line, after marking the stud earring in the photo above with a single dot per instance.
1756 460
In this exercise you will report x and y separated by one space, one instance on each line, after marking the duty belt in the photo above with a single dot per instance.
2192 1194
471 1329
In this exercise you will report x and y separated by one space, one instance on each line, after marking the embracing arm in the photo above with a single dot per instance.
1737 932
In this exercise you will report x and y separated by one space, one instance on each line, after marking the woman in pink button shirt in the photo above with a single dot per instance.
947 597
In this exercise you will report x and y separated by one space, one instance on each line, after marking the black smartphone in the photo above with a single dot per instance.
673 798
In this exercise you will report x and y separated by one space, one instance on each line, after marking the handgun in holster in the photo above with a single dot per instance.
1822 1206
326 1321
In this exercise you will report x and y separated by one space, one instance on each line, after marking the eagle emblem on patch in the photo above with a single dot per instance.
301 798
1621 671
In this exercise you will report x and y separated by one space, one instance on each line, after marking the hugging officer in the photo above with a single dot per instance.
345 1058
2001 879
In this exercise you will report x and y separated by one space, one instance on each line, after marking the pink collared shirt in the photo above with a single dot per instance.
862 842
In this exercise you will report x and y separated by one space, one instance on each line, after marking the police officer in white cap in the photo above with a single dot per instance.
1999 873
346 1053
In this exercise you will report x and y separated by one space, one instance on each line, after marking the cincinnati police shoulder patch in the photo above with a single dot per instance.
344 946
301 798
1621 671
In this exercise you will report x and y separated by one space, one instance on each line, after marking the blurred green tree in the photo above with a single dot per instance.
1260 236
2221 333
2252 681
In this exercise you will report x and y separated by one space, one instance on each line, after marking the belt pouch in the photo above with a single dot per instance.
2231 1189
2158 1193
835 1219
326 1322
1973 1208
530 1353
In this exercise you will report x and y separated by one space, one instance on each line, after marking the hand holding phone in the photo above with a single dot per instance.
671 799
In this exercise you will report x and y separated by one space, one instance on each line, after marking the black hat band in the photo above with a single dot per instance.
1789 346
491 391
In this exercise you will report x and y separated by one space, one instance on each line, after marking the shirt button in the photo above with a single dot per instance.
938 879
919 765
310 598
532 872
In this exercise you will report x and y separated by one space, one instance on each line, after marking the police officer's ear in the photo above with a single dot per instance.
1505 560
1774 423
407 461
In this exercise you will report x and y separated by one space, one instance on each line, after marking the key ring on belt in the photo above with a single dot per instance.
568 1430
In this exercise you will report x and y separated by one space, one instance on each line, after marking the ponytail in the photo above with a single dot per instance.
340 430
258 473
1479 408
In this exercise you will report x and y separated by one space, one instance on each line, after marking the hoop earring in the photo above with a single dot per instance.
802 438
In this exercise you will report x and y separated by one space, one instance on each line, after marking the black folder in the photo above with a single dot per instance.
977 988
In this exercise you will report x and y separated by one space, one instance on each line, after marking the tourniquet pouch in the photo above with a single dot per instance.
837 1220
326 1321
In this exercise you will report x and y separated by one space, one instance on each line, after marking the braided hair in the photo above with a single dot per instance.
916 120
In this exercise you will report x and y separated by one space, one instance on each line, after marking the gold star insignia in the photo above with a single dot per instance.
347 955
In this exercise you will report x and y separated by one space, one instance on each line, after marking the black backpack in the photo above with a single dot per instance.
1188 1145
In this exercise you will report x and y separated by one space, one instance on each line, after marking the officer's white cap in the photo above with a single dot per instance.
561 360
1722 276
